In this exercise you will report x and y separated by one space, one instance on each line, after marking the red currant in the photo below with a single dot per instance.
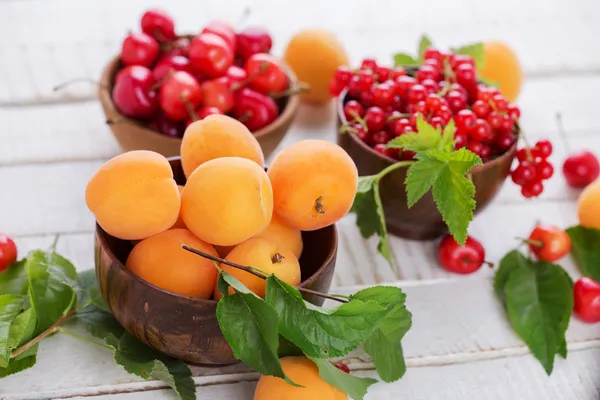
381 137
581 169
335 88
431 53
366 79
500 103
465 120
544 148
8 252
433 63
352 109
460 140
495 119
367 98
481 108
368 64
444 113
403 85
417 93
427 72
465 75
343 75
544 170
433 102
354 88
399 126
420 107
397 72
513 111
456 87
507 123
375 119
362 133
436 122
504 141
524 173
430 85
484 94
383 73
456 100
382 94
460 59
532 189
397 103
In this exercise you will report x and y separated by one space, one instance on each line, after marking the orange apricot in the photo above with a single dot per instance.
283 235
303 372
217 136
588 210
502 66
161 261
134 195
179 223
314 184
227 200
265 255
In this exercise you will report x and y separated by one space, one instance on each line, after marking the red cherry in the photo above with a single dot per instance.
224 30
167 126
159 25
581 169
375 119
267 73
139 49
168 63
133 94
586 296
178 94
217 93
254 109
549 242
342 367
352 109
178 47
460 259
236 74
210 55
202 113
253 40
8 252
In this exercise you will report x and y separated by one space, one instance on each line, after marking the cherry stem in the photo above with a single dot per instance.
189 108
261 69
246 116
52 329
115 121
162 80
533 242
469 261
243 17
561 132
76 80
301 87
257 274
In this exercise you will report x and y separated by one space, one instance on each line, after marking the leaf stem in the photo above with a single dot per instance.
82 338
42 335
393 167
255 273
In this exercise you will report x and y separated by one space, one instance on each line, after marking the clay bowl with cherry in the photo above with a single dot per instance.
186 327
161 82
387 101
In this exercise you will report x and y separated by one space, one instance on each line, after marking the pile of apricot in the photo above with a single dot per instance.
230 206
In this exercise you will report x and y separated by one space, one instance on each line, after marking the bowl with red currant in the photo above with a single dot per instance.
161 82
376 104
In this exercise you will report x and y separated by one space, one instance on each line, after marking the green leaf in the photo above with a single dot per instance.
321 332
420 177
249 325
511 261
88 291
424 43
22 330
562 349
11 306
387 356
98 322
539 302
447 142
17 365
489 82
476 51
585 250
426 137
287 348
402 59
370 216
14 279
354 386
453 192
52 279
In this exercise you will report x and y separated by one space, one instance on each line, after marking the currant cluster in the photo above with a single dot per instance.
383 103
168 81
533 168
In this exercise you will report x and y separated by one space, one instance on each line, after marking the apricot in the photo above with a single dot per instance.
179 223
227 200
217 136
314 184
134 195
265 255
588 210
283 235
314 55
161 261
502 66
305 373
223 250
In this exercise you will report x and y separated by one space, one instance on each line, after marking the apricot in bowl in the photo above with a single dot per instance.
183 325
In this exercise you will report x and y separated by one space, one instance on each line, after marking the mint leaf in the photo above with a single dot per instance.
387 356
585 250
402 59
511 261
14 279
424 43
52 279
249 325
370 217
453 192
354 386
539 301
140 360
322 332
18 365
476 51
11 306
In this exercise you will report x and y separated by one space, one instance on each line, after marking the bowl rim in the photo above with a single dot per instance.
342 118
101 234
111 69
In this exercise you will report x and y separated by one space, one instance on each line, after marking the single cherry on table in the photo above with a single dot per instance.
581 169
586 293
461 259
8 252
549 242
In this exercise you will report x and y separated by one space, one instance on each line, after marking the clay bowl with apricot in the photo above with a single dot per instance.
422 221
186 327
133 134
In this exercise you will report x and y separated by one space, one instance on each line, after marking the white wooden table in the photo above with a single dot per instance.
460 346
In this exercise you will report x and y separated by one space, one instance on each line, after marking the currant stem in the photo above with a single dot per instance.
396 116
255 273
52 329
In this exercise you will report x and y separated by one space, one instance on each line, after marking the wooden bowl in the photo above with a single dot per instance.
183 327
422 221
135 135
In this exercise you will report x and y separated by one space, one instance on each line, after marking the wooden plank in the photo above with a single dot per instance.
455 322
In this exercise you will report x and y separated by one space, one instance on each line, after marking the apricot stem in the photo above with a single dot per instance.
257 274
277 258
42 335
319 205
